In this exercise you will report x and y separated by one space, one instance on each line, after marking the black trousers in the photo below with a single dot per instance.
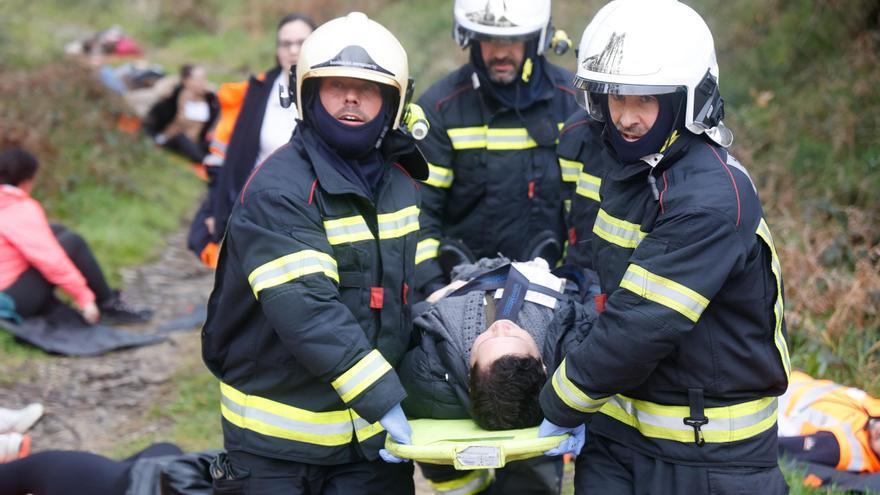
257 475
536 476
70 472
34 295
606 467
185 147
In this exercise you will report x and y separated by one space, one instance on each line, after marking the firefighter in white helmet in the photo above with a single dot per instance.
309 315
494 184
679 377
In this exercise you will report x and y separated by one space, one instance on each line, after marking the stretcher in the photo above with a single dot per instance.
464 445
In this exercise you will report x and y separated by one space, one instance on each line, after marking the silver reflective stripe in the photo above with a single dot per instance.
733 162
427 249
806 400
361 423
569 394
857 459
300 265
588 186
290 267
643 417
439 176
347 230
322 429
694 308
357 380
616 231
399 225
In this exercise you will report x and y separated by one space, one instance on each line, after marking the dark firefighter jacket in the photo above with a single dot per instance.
435 372
583 161
494 178
309 311
689 356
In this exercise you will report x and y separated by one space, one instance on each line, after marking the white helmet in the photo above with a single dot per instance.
650 47
355 46
506 19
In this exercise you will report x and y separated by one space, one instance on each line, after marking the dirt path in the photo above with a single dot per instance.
94 403
97 404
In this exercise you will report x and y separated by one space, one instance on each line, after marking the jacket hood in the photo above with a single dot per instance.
10 195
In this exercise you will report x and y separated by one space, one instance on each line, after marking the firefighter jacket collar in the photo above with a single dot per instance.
623 172
396 147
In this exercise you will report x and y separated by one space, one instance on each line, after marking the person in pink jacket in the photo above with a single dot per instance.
36 257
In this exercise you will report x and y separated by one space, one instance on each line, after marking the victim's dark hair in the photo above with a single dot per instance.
505 395
17 166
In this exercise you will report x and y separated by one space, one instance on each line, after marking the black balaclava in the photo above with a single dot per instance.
668 119
349 141
517 94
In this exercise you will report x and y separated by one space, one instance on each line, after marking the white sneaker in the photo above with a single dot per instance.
19 421
13 446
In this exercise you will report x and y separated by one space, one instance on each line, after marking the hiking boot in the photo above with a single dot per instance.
20 420
115 310
14 446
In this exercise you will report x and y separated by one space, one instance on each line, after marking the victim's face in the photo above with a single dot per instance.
502 338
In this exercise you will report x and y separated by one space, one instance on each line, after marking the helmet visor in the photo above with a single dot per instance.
472 35
609 88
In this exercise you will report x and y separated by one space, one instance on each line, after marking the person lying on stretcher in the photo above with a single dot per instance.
475 361
484 355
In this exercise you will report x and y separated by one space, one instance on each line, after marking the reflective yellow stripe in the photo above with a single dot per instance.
509 139
588 187
616 231
364 373
465 138
494 139
468 484
726 424
348 229
399 223
427 249
439 176
573 397
363 429
779 305
279 420
663 291
570 169
292 266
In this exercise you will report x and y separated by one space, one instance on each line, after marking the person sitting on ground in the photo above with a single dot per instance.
181 121
35 257
827 423
471 363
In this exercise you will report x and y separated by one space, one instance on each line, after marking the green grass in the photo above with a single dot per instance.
799 78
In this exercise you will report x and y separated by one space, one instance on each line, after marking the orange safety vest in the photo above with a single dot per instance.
810 406
231 98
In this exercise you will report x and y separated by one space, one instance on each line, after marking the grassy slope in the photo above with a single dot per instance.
804 127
